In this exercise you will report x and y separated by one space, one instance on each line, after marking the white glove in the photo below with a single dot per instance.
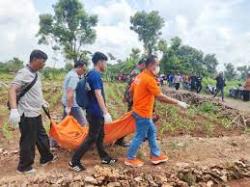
14 118
68 110
182 104
45 104
107 118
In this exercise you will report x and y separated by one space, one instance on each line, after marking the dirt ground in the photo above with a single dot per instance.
183 152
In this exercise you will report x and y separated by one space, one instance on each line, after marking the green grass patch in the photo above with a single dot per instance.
207 107
7 133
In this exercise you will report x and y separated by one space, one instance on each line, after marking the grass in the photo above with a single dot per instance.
207 107
7 133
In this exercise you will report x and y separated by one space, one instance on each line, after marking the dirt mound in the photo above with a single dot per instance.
238 118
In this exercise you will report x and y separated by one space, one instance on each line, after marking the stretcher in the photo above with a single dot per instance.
69 134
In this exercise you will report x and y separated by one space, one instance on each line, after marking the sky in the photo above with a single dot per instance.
221 27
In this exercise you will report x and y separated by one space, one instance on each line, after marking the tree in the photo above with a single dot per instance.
230 72
176 43
126 66
111 56
211 63
243 70
135 54
68 29
191 58
163 46
12 65
147 26
185 59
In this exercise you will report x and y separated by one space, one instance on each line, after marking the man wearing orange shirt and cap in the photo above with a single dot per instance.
144 90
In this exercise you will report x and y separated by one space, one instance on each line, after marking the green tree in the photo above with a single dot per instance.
68 29
147 26
12 65
185 59
191 59
211 63
243 70
111 56
124 67
163 46
230 72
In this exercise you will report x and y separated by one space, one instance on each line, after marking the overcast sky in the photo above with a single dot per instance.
215 26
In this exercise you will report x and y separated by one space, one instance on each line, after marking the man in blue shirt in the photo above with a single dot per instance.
97 115
69 97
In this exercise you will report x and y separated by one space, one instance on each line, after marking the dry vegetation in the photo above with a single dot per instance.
208 145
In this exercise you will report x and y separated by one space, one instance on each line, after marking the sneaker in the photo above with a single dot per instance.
108 161
134 163
48 161
28 171
78 167
159 159
122 143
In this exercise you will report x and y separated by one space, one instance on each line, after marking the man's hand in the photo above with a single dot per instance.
183 104
45 104
68 110
107 118
14 118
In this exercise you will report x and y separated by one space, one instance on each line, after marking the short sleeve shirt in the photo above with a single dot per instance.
95 82
31 103
70 82
144 89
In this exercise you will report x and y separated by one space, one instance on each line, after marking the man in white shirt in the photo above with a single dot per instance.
26 112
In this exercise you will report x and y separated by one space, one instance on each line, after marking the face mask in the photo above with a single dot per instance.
157 70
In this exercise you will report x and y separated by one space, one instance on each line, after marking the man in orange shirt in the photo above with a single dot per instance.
144 90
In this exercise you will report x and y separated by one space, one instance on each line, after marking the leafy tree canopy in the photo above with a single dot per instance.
68 29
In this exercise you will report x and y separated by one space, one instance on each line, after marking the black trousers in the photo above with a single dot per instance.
218 89
246 95
177 86
95 135
32 134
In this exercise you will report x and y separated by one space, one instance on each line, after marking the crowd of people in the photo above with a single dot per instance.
190 82
26 102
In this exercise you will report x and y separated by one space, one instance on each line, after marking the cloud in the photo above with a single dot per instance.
215 26
18 26
113 32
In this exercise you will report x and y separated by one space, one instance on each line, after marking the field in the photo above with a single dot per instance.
207 145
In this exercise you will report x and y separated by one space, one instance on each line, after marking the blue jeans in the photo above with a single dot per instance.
78 114
145 128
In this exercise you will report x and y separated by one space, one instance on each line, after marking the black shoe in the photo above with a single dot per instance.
78 167
109 161
29 170
45 162
122 144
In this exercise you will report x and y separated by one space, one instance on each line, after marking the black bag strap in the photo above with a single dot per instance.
47 112
27 88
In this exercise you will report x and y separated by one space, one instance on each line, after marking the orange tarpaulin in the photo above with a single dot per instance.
69 134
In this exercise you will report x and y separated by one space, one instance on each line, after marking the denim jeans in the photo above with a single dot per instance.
145 128
78 114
